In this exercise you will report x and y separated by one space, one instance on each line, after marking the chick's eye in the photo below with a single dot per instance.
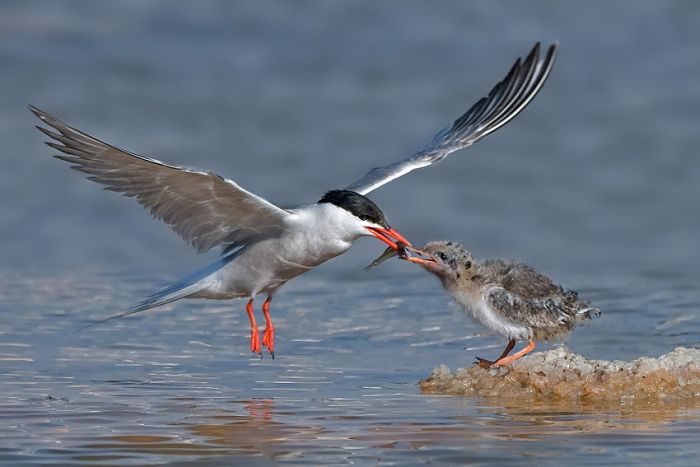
468 264
441 255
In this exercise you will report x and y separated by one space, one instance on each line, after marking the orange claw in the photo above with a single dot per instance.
269 333
486 364
254 336
508 360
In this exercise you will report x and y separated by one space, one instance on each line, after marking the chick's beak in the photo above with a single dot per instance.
417 260
427 260
389 236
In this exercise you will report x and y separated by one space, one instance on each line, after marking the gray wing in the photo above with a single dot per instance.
202 207
542 312
506 100
520 279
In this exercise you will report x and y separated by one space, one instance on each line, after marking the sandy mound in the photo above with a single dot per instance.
559 373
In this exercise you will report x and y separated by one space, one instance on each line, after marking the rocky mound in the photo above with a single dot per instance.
559 373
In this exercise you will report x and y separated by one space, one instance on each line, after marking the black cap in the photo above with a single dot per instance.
357 204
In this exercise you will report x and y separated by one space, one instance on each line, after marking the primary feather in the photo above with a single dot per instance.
205 209
506 100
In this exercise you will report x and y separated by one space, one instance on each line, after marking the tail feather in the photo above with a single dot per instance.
588 313
175 291
168 294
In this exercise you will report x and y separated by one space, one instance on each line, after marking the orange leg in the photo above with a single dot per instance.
254 337
486 364
508 360
269 333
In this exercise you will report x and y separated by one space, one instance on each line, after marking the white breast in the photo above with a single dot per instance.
479 308
312 236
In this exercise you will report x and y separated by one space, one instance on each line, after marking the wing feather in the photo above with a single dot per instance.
205 209
506 100
540 312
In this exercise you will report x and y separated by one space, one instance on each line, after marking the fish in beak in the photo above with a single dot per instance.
388 253
424 258
404 252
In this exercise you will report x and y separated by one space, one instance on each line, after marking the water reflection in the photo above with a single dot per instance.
561 418
256 432
261 427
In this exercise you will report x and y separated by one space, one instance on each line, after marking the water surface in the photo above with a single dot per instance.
180 385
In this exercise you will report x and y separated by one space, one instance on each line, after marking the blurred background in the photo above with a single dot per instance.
599 173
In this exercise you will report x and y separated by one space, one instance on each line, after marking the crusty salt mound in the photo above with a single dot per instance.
560 374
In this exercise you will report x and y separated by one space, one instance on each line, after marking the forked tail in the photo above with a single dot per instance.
167 294
175 291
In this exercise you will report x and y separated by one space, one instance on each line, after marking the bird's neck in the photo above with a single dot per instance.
332 223
466 283
320 232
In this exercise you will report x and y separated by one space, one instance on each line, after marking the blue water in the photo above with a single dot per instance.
595 184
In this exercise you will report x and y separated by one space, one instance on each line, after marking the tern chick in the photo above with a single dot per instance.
505 296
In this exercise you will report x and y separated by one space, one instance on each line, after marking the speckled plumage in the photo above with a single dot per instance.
528 297
506 296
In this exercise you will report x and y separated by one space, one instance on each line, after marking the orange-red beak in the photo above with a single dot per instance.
389 236
415 259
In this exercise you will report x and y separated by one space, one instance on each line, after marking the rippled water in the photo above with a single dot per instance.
596 184
180 385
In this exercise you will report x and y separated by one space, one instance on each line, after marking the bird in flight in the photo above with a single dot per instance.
507 297
264 246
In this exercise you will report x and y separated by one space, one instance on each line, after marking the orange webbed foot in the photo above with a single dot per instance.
486 364
269 333
483 363
254 333
269 340
511 358
255 342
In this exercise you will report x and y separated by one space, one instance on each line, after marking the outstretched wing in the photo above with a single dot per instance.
202 207
506 100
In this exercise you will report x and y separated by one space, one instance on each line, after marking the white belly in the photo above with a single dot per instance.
312 235
267 265
482 312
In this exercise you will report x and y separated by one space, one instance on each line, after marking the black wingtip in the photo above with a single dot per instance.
535 51
56 146
47 132
80 329
37 111
550 53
